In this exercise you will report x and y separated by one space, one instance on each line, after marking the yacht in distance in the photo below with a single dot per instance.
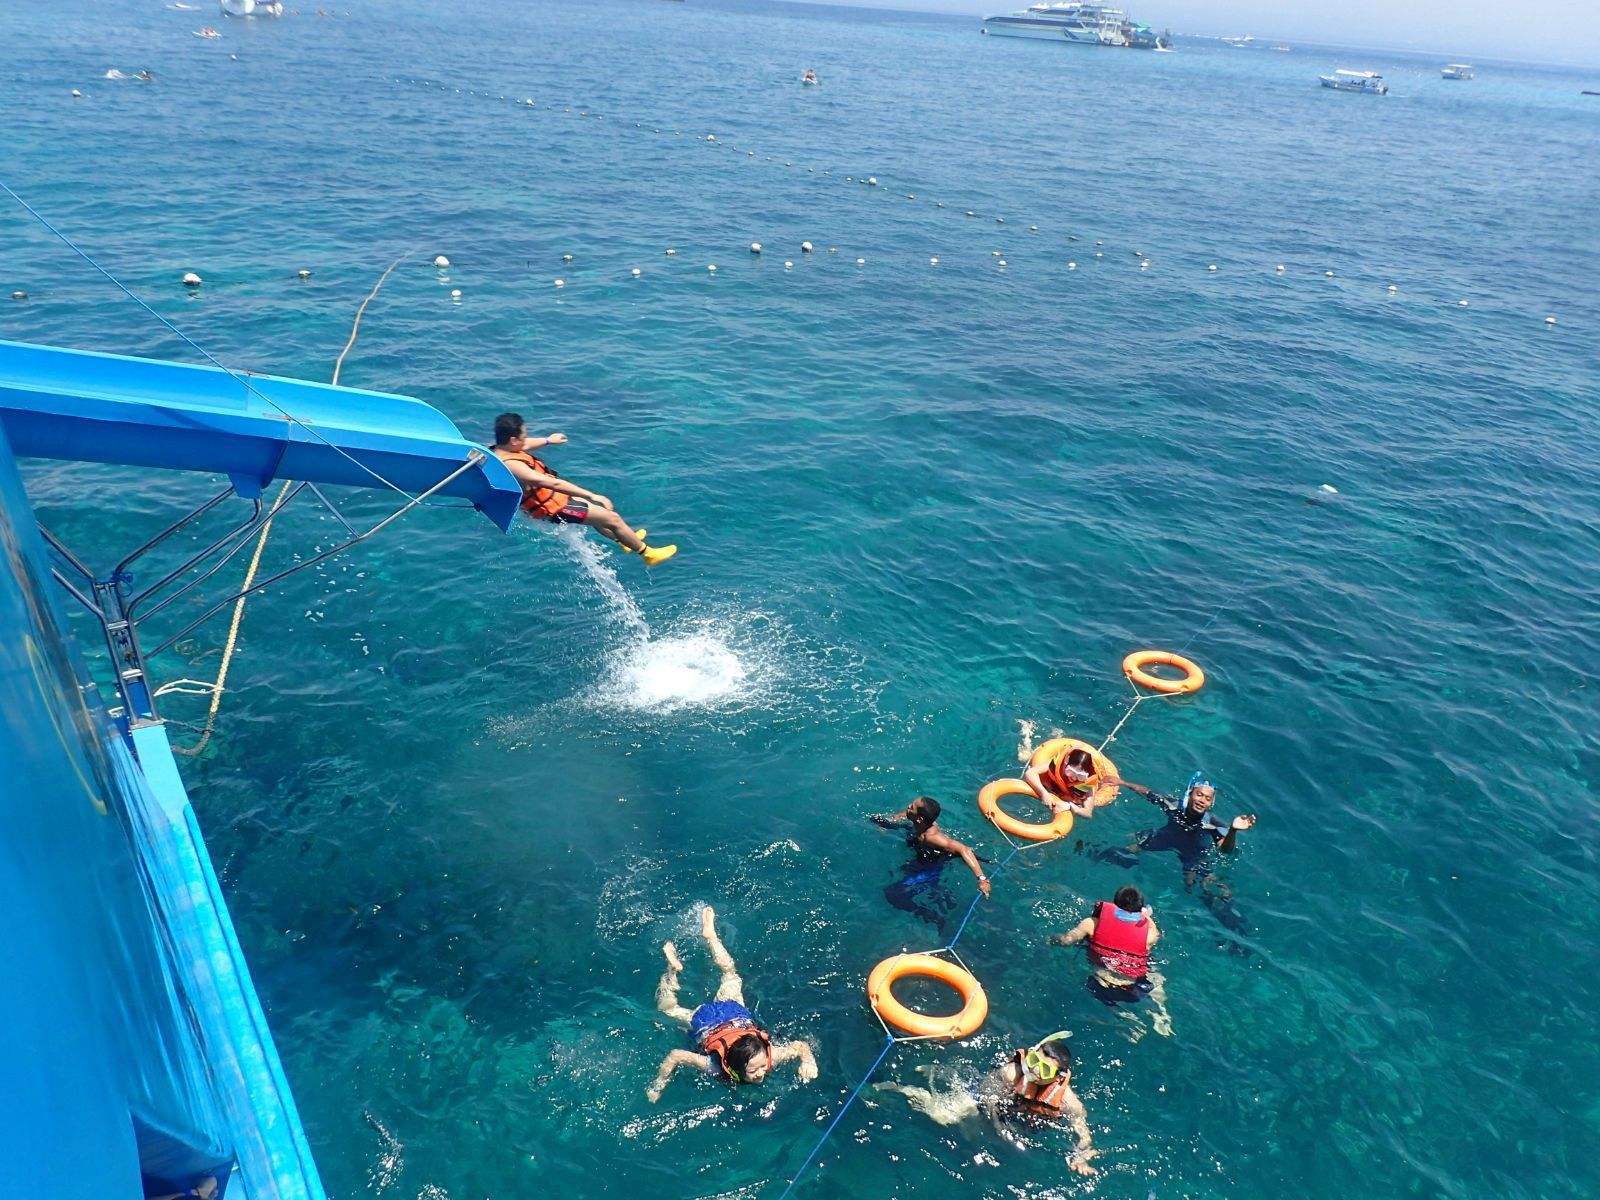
1355 81
1457 71
1078 21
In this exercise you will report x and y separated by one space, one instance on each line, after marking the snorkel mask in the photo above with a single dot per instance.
1037 1064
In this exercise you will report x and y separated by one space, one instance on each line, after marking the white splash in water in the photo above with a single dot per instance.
695 666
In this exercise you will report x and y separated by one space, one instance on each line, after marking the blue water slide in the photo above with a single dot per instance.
110 408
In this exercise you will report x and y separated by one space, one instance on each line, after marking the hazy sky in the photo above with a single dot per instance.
1566 31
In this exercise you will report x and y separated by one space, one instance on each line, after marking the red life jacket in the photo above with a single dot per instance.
1055 779
1039 1099
717 1042
1123 946
538 501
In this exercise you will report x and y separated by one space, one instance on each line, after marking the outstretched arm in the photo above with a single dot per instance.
943 841
540 479
529 479
1034 778
1078 1119
1081 930
801 1053
892 820
539 443
669 1064
1230 840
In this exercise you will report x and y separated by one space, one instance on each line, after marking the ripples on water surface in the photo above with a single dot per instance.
466 784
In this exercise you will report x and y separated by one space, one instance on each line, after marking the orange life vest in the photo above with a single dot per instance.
717 1042
1055 779
536 501
1039 1099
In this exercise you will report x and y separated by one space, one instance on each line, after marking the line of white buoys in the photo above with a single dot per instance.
637 272
868 181
755 247
934 261
455 293
19 294
302 273
712 267
671 253
561 283
191 280
861 262
76 94
566 258
805 247
441 262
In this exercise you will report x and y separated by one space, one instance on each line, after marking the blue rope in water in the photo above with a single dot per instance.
973 907
888 1045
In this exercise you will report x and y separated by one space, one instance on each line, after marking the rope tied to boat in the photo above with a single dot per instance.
216 687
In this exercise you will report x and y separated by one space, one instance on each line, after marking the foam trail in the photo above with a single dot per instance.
622 607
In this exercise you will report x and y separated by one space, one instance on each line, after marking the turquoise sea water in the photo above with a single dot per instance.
464 785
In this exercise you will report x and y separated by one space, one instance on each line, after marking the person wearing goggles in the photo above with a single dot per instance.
730 1044
1034 1083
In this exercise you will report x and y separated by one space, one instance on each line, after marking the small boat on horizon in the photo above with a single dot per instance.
1355 81
1282 49
1457 71
205 31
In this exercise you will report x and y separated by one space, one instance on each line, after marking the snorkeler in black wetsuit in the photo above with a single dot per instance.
934 848
1192 831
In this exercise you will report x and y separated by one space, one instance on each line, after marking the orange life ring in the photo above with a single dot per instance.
989 806
1134 668
1104 768
974 1004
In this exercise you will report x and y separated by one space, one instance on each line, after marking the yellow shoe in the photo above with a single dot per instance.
641 533
658 554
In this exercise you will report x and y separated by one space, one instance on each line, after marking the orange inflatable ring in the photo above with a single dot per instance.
1104 768
1134 668
974 1004
989 806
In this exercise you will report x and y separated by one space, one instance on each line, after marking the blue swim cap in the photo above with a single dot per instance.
1198 779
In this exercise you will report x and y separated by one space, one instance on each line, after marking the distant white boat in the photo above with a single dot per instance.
1282 49
1240 42
1457 71
205 31
1355 81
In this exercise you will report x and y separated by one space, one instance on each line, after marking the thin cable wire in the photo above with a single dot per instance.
198 348
261 545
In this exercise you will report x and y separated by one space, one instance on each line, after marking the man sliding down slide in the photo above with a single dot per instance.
548 497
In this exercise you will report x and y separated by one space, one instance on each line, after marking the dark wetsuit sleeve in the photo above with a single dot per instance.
1167 804
1215 826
